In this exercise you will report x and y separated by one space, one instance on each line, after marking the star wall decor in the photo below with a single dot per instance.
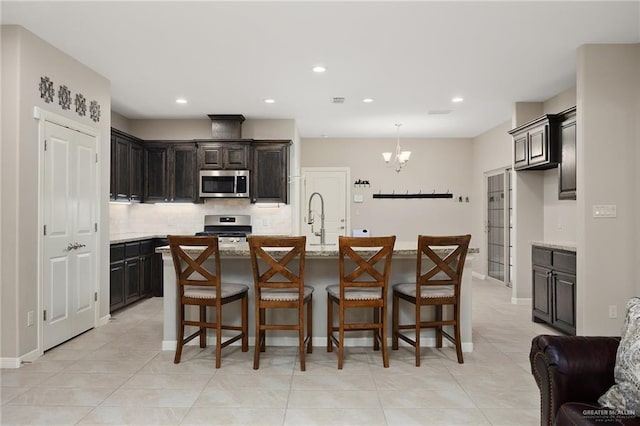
46 89
64 97
94 111
81 105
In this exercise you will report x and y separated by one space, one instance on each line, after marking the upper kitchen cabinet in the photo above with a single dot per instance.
223 155
537 144
170 172
567 169
270 171
126 167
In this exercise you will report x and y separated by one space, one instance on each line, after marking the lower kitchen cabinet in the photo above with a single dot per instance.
134 272
554 288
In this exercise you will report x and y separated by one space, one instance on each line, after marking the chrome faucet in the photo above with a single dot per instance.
310 219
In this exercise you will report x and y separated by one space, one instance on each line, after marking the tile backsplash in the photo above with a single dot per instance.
187 218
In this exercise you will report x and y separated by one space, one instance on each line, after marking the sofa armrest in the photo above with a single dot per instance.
571 369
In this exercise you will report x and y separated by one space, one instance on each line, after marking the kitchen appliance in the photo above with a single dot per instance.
231 230
224 183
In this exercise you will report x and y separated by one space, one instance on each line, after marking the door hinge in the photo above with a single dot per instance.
95 296
44 316
96 157
45 230
95 226
45 144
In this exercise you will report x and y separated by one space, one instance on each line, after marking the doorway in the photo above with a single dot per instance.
330 191
498 225
69 245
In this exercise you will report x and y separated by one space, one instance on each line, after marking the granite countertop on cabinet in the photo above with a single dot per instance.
401 249
128 237
556 245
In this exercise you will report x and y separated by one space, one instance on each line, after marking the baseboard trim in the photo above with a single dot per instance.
104 320
10 362
521 300
478 275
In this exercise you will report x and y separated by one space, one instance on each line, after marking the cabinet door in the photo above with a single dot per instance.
269 174
564 302
521 152
146 275
541 294
236 157
538 145
132 279
567 170
112 177
210 156
183 173
155 174
136 167
116 285
122 170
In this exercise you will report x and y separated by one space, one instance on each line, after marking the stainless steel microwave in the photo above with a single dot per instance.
224 183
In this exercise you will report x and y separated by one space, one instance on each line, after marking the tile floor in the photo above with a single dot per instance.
117 374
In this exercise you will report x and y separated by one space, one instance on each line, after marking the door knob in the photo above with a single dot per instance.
70 247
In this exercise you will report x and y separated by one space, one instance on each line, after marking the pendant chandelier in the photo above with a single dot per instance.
401 157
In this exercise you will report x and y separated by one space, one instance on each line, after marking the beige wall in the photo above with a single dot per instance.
26 58
120 122
436 165
608 77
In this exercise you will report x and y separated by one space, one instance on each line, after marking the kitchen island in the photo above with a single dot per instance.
321 269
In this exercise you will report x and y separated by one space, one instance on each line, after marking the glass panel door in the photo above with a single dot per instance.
495 226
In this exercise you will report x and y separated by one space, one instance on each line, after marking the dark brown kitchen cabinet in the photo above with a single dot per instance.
135 272
170 172
270 171
554 288
126 167
537 144
567 168
223 155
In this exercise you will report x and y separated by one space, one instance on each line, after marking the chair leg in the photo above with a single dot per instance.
245 320
203 331
340 335
417 336
395 315
329 323
256 348
456 329
385 352
376 332
310 324
180 340
218 335
263 332
439 327
301 335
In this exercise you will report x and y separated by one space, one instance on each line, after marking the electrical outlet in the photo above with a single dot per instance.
30 315
613 311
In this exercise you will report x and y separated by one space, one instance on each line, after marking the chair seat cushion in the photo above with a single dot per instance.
226 290
426 292
355 293
283 295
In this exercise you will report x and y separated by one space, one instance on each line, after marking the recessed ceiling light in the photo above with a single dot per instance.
457 99
367 100
269 101
181 101
319 69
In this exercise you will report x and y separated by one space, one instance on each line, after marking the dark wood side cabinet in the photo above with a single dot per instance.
135 272
270 171
567 168
554 288
223 155
170 172
126 167
537 144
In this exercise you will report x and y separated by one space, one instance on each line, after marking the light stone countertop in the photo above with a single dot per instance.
128 237
557 245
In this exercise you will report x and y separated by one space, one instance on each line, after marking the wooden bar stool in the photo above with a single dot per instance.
362 285
199 285
278 274
439 270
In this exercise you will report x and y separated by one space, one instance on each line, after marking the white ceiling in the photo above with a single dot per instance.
410 57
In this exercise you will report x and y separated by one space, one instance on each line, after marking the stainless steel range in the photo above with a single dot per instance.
230 229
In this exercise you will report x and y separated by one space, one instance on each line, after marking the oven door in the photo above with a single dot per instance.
224 183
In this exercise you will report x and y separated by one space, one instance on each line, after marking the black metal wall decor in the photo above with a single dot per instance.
418 195
47 93
64 97
46 89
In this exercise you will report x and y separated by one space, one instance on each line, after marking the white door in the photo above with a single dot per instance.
69 243
331 185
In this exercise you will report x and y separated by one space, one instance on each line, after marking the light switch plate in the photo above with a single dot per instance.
604 211
358 198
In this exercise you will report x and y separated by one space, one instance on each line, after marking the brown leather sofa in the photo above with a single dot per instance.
572 372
